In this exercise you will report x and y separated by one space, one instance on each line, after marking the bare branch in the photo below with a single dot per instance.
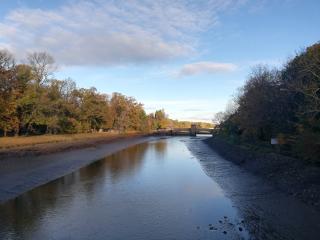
42 65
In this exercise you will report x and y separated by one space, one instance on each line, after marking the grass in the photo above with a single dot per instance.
25 141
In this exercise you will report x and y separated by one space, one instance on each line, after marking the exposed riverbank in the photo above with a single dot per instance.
45 144
26 168
268 212
290 175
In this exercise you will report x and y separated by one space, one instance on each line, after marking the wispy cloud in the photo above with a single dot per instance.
205 67
112 32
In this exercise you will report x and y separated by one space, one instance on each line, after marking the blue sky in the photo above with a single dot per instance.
188 57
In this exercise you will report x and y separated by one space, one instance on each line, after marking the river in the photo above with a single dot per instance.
154 190
167 188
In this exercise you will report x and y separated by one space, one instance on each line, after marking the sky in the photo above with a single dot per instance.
188 57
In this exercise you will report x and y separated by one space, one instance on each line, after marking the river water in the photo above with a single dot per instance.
154 190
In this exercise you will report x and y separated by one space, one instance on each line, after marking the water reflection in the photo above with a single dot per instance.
24 213
37 202
130 161
160 147
154 190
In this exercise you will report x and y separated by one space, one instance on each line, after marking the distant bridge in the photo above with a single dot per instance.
193 131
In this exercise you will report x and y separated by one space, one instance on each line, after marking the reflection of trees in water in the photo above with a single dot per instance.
161 147
23 214
125 162
120 164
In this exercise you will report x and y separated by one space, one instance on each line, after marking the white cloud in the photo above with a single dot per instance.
187 109
112 32
205 67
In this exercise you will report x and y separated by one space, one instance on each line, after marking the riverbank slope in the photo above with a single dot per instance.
290 175
45 144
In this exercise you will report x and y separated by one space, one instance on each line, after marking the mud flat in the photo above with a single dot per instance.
268 211
290 175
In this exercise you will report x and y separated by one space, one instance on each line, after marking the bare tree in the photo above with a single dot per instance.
305 80
218 118
6 60
43 66
311 89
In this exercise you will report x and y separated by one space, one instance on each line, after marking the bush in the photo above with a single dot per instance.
307 146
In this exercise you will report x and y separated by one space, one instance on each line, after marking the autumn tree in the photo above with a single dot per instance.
284 103
8 93
32 102
160 119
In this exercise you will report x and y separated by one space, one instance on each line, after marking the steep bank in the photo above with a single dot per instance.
19 174
290 175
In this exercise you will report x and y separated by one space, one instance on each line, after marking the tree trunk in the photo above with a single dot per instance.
17 131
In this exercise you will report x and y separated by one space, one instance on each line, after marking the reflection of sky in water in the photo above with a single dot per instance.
155 190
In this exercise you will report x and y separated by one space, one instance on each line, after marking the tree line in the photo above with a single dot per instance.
33 102
279 103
